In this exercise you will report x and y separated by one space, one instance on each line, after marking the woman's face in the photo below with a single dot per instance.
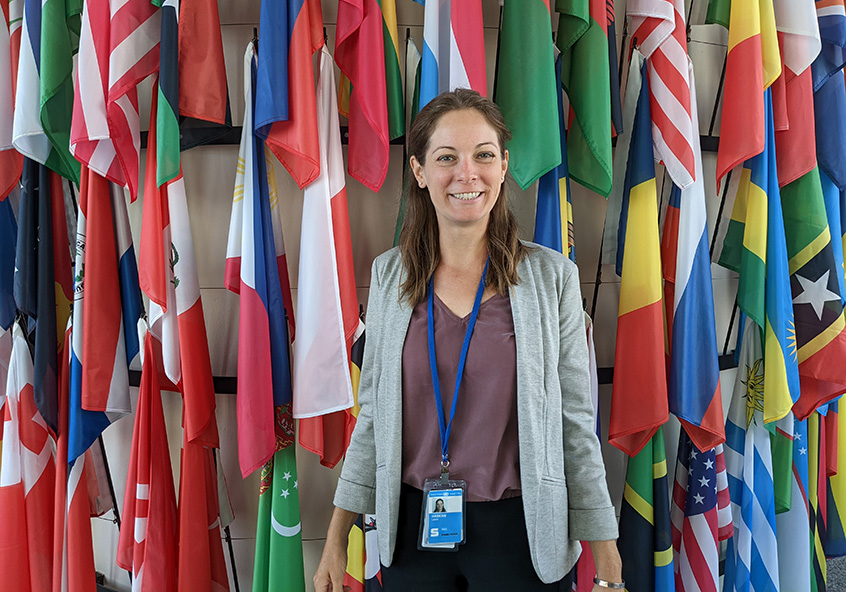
439 505
464 169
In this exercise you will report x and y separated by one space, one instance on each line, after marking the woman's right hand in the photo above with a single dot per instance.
329 576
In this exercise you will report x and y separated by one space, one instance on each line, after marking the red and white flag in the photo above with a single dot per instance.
147 544
118 48
659 27
327 305
27 480
11 160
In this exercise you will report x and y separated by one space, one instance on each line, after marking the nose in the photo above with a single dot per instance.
467 171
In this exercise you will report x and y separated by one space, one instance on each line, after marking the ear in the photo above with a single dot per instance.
505 164
417 169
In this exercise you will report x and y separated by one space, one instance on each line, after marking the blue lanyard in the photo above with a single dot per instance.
444 426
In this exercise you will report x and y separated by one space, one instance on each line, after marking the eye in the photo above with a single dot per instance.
486 155
445 158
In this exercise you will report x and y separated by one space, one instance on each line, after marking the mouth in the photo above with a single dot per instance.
469 196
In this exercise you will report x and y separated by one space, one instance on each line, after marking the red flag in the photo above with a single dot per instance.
149 504
11 161
796 149
202 74
360 54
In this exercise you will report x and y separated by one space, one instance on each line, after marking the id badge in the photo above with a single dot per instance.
442 515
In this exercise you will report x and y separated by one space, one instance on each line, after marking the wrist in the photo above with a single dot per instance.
621 585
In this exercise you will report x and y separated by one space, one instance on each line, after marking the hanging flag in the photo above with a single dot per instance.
27 473
115 54
256 269
585 74
149 505
11 160
835 537
701 515
8 240
794 550
167 89
639 399
817 498
718 12
412 106
659 27
752 65
285 116
613 67
796 152
202 75
363 569
360 54
820 335
694 386
393 78
752 555
453 48
831 15
554 212
797 23
646 543
323 389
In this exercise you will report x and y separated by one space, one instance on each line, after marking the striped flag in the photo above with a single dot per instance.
817 498
701 516
794 550
639 395
752 65
554 212
453 48
393 77
360 54
256 268
585 74
285 116
835 537
116 52
363 567
831 15
752 555
646 543
167 89
526 72
11 160
663 41
149 504
323 389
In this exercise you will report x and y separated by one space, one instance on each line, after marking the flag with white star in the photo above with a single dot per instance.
815 290
794 541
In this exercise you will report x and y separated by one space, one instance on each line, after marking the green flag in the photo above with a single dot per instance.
718 12
396 107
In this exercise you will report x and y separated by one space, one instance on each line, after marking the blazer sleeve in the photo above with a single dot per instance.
591 514
356 489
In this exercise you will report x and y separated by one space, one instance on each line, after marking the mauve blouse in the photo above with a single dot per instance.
483 444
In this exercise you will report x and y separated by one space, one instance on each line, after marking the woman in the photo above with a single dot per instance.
520 434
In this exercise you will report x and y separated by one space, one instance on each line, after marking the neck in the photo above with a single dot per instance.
463 248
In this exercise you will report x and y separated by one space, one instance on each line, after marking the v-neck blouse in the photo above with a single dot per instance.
483 445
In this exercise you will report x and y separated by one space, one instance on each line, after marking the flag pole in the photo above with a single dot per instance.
719 215
731 325
498 44
598 281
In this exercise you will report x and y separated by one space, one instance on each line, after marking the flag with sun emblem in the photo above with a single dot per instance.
279 538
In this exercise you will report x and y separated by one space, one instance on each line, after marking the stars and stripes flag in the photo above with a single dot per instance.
11 161
701 516
285 112
27 473
659 27
118 48
639 396
147 546
257 269
453 48
323 390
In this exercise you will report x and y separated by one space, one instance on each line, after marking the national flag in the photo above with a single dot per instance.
755 247
752 555
256 268
27 474
817 499
526 74
285 116
832 22
639 395
835 537
11 160
752 65
453 48
646 543
794 550
616 103
585 74
360 54
202 75
830 115
167 89
796 152
327 304
279 551
701 515
659 27
116 52
8 240
147 546
363 568
694 375
393 77
412 106
817 300
554 211
718 12
797 23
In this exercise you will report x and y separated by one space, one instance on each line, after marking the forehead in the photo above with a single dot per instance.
461 128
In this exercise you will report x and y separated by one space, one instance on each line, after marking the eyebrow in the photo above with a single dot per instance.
479 145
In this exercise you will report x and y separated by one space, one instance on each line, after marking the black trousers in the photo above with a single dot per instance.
495 556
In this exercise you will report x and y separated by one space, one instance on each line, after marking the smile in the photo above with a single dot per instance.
466 196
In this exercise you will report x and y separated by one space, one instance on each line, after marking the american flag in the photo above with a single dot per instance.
701 516
659 29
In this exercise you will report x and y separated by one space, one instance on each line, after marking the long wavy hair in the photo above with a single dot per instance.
418 241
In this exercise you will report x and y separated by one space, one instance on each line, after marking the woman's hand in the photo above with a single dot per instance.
329 576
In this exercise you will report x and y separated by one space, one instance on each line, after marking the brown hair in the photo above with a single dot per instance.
418 241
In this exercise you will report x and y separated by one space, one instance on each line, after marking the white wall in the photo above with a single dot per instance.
209 180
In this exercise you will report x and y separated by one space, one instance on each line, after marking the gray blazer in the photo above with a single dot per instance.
565 498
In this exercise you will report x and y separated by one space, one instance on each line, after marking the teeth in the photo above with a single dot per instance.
467 196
